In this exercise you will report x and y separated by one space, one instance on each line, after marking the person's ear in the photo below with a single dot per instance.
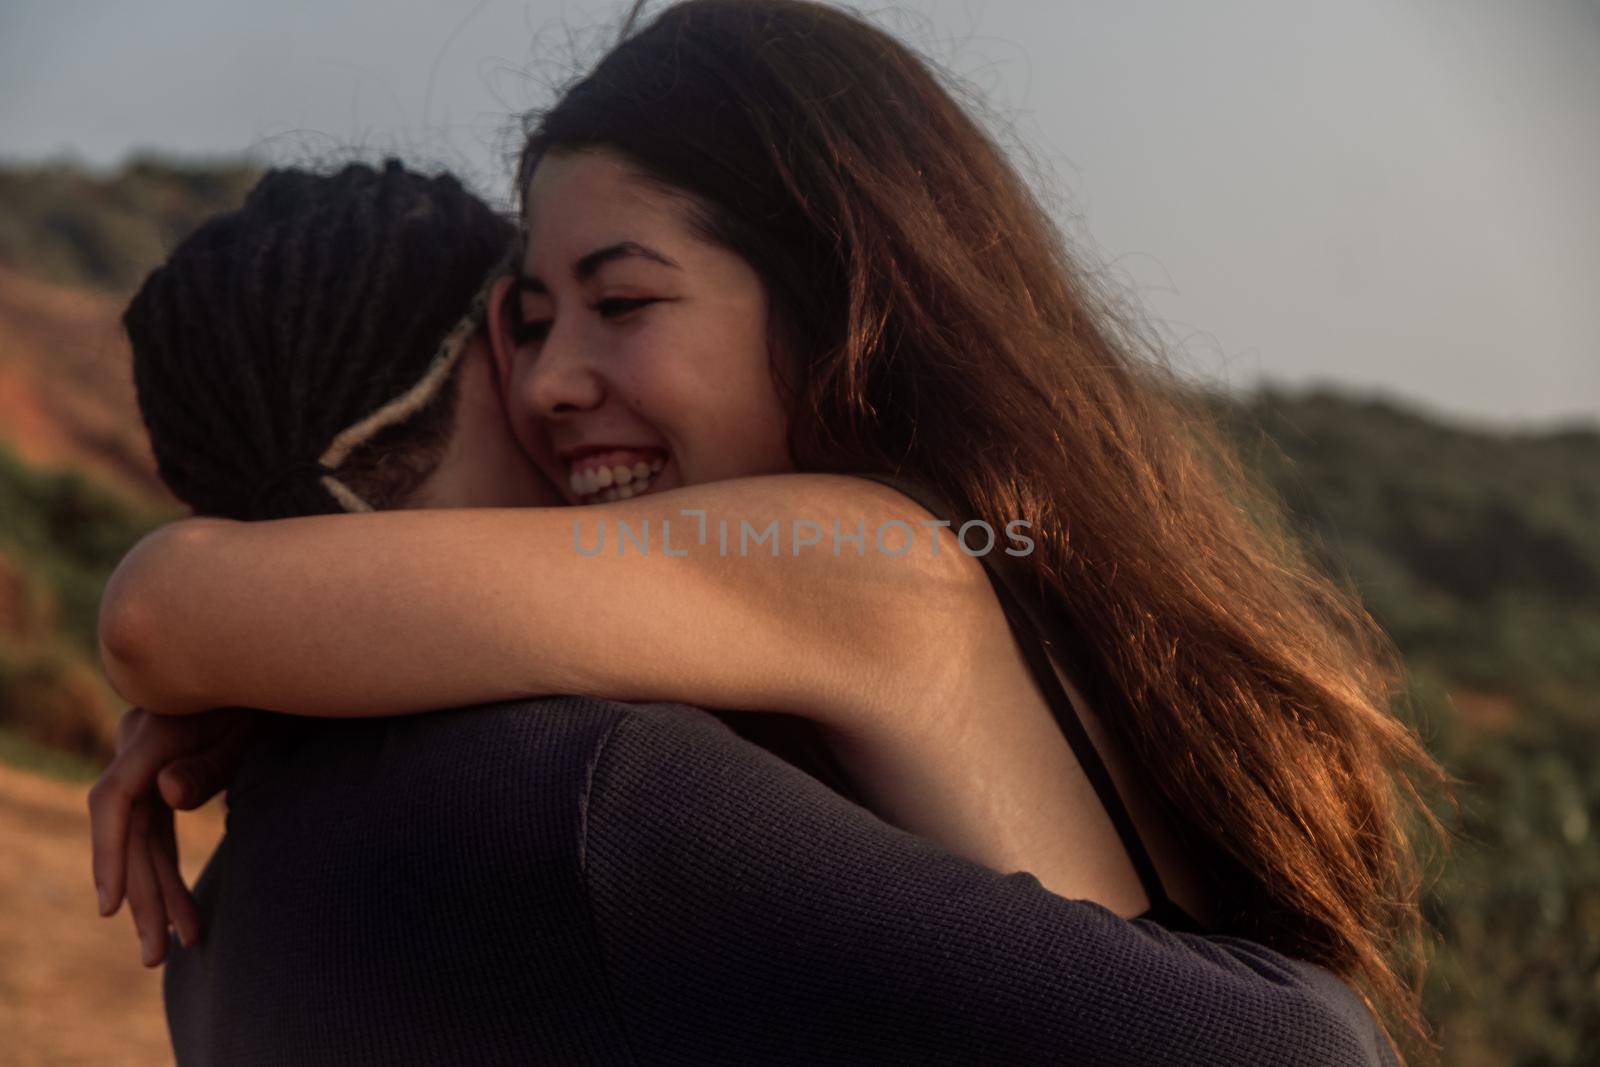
501 345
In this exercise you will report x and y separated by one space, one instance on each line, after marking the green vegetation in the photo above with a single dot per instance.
69 226
19 750
69 533
1480 554
60 537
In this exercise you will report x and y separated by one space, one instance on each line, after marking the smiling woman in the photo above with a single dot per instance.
628 329
764 246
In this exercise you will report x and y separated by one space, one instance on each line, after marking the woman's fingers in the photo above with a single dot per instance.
141 752
145 744
180 906
111 800
144 890
189 781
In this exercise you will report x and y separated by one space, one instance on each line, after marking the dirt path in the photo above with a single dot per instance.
72 990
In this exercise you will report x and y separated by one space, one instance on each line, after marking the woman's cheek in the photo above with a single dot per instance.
553 469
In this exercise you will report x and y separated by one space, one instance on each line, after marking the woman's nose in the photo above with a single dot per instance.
560 379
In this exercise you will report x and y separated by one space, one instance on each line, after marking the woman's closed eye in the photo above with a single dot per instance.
610 308
617 306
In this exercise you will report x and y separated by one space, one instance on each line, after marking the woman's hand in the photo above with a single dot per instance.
161 764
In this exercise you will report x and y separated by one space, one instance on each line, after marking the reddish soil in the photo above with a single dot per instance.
72 989
66 389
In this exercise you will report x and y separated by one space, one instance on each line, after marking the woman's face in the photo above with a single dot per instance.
633 352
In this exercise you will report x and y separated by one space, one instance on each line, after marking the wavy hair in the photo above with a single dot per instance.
946 334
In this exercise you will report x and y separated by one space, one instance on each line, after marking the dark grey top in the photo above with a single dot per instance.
578 881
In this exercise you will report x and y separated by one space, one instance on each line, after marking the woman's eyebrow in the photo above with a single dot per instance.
585 266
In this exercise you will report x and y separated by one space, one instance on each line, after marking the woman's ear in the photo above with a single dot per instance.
501 345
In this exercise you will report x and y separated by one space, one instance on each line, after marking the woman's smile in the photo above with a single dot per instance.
614 473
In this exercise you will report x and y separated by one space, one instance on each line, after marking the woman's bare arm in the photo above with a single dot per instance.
907 662
408 611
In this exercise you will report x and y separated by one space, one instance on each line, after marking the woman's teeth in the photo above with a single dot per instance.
606 482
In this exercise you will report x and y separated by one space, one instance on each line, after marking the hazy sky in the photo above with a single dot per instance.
1396 194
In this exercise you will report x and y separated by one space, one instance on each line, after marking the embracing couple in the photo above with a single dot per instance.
1132 796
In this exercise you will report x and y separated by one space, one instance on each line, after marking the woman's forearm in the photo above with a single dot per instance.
408 611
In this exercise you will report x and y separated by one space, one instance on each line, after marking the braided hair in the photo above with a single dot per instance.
296 356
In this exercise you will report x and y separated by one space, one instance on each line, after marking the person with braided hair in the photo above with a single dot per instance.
767 262
302 355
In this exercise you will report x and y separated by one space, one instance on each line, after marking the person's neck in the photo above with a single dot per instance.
482 465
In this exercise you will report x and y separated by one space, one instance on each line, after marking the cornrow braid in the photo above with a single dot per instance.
297 356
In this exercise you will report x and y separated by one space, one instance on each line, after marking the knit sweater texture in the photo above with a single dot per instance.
577 881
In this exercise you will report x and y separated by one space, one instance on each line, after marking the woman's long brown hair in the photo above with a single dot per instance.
946 334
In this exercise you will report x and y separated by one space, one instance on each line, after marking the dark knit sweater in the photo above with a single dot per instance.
578 881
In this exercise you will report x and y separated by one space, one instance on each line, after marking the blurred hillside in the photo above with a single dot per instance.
65 391
69 226
73 248
1480 554
77 482
1478 551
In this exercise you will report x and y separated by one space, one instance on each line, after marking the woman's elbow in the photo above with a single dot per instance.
139 632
